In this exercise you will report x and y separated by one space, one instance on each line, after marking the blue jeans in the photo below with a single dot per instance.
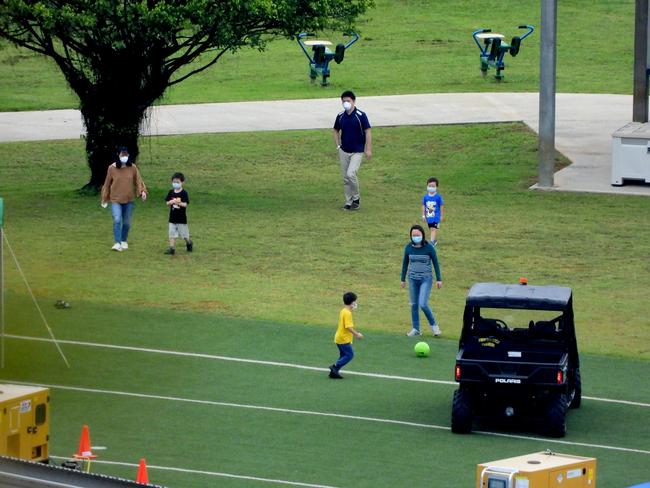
346 352
419 291
121 220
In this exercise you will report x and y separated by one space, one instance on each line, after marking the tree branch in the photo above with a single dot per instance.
198 70
27 45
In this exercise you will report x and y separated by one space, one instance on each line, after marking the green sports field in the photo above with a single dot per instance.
215 363
278 422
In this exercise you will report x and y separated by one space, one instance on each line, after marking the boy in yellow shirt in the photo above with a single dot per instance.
344 335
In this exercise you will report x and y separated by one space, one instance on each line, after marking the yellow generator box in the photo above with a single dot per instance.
539 470
24 422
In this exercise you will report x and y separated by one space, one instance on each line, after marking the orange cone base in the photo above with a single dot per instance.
84 451
142 477
87 456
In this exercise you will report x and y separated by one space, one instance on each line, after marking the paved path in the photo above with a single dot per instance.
584 123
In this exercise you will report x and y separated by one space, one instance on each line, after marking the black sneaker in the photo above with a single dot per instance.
334 373
346 207
171 251
356 204
190 246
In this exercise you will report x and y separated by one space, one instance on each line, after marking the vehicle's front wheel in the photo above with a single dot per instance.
461 412
555 419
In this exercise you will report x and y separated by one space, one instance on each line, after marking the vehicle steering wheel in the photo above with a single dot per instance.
502 325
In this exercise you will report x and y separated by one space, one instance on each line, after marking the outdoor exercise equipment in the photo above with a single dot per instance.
319 60
493 48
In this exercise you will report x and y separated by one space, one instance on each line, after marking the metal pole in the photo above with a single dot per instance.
640 92
547 93
2 285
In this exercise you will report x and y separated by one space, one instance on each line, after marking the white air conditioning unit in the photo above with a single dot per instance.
631 153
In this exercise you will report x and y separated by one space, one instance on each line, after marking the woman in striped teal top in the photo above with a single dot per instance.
420 259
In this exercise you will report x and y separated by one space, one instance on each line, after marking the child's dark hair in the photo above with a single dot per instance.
178 176
433 180
349 297
348 94
418 227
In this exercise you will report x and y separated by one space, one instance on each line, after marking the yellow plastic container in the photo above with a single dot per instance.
538 470
24 422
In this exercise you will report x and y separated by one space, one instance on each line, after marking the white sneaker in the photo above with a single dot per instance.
413 333
124 244
436 330
117 247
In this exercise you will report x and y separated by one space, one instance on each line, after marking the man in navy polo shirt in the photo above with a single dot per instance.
353 140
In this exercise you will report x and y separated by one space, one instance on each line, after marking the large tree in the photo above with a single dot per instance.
119 56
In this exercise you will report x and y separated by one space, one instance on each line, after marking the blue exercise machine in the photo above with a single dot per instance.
493 48
321 56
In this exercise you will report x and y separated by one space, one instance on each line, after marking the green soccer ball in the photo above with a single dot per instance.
422 349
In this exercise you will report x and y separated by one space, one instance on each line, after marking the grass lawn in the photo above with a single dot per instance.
271 242
407 46
273 254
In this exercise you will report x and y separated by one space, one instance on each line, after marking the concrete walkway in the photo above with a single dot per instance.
584 123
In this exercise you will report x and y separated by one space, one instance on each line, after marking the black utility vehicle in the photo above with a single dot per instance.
517 357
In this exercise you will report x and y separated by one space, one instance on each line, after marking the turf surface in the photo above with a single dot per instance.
291 445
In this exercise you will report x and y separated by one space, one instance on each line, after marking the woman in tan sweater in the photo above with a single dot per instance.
121 187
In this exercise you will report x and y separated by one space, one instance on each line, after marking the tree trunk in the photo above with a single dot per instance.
109 124
114 104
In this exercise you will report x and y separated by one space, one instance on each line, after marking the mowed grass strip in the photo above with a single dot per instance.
406 47
271 242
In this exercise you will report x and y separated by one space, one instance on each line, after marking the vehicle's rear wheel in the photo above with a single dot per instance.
461 412
576 397
555 419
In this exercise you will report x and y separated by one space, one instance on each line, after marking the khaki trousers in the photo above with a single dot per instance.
350 164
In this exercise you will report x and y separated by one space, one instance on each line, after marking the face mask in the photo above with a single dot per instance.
354 305
432 189
124 159
416 239
347 105
176 186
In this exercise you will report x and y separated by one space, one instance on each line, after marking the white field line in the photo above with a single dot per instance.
206 473
280 364
225 358
322 414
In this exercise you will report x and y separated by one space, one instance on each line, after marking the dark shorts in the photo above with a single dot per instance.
433 225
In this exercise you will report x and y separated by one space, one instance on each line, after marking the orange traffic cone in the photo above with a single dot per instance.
142 477
84 451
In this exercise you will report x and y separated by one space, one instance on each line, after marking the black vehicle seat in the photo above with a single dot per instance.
486 327
544 329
